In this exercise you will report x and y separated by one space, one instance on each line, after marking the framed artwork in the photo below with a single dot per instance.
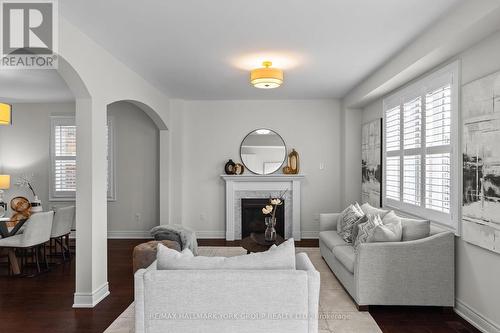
481 162
371 163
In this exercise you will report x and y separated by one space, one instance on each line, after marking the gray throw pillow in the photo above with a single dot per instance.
414 229
347 220
390 231
355 228
365 230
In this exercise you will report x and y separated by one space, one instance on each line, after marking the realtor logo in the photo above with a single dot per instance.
29 38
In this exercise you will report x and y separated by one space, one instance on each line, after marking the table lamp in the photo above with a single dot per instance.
4 185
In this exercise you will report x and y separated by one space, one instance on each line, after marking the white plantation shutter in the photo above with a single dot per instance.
420 139
412 115
63 158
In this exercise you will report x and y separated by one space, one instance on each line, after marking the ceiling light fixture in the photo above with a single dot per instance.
5 114
266 77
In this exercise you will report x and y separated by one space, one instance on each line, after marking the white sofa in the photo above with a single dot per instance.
228 300
416 272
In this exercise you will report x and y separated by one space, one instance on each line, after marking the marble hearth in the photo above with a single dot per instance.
255 186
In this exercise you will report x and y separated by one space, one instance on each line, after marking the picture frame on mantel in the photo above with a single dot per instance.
371 163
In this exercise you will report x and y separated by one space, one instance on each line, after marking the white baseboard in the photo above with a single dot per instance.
130 234
90 300
137 234
476 319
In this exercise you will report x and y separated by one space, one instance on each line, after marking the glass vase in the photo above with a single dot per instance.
270 233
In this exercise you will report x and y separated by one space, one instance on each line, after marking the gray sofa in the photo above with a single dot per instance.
416 272
167 300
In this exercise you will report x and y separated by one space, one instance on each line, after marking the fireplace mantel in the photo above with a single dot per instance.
257 186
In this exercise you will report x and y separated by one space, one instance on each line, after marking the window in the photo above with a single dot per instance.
420 147
63 158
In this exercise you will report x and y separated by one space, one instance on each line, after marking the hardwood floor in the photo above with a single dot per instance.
43 303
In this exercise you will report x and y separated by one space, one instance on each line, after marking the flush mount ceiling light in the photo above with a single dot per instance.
5 114
263 131
266 77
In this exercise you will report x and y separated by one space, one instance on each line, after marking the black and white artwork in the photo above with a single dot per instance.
371 163
481 162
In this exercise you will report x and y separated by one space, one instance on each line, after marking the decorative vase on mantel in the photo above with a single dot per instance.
270 233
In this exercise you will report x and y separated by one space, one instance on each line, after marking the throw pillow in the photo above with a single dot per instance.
390 231
355 228
414 229
369 209
347 219
279 257
365 230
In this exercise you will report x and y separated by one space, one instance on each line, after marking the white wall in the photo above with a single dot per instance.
477 270
136 209
25 150
210 133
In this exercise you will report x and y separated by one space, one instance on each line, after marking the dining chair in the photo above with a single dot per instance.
36 233
61 228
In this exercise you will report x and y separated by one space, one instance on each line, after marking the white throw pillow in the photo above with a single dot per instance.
370 210
279 257
390 231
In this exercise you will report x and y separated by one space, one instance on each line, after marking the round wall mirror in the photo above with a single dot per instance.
263 151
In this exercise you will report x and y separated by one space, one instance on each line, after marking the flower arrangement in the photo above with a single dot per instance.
25 181
273 205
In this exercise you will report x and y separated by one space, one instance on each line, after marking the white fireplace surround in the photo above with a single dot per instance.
256 186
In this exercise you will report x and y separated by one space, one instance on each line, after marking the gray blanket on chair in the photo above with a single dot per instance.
175 232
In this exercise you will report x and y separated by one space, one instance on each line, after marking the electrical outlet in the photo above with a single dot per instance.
202 217
316 218
137 217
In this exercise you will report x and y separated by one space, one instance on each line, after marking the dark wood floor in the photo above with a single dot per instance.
43 303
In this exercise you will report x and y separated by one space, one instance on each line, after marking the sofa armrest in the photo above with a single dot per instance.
139 296
303 263
328 221
419 272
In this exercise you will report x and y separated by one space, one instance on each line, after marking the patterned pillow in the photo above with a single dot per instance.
366 230
347 220
355 228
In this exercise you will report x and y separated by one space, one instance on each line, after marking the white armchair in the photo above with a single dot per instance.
61 228
35 234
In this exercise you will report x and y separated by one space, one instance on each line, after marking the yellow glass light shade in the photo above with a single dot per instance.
4 182
266 77
5 114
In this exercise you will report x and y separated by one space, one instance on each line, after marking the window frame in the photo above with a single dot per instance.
447 74
69 120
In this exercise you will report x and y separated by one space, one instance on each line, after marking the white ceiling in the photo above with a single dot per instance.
199 49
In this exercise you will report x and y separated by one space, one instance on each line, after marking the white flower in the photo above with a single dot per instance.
275 202
267 210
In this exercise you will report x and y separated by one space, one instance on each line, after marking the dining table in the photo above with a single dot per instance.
8 232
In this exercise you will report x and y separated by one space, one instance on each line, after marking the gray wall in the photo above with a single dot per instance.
477 270
210 132
136 209
24 148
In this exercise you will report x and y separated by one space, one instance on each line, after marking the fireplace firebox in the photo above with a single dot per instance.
252 218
